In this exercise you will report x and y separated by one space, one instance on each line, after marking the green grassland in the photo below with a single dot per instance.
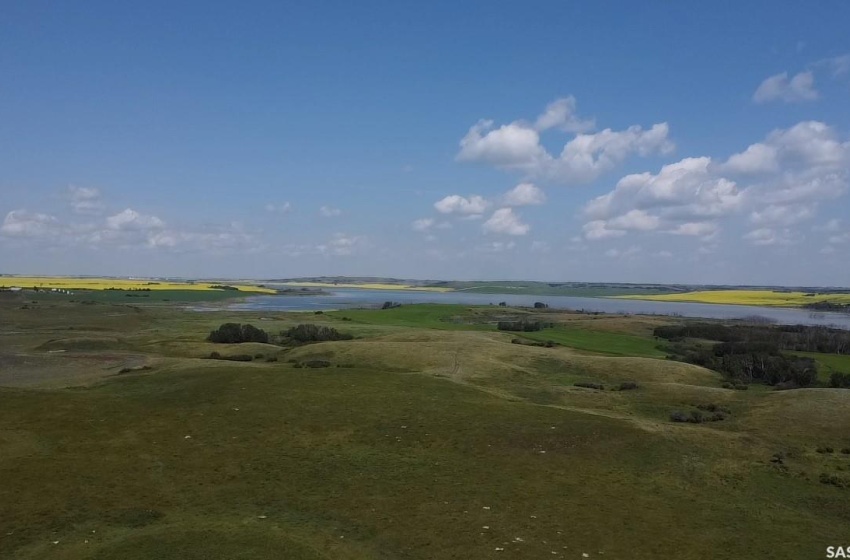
828 363
132 297
430 436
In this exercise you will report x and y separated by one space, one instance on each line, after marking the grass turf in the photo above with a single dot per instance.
368 462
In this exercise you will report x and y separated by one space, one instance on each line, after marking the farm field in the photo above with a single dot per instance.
430 435
74 283
748 297
362 285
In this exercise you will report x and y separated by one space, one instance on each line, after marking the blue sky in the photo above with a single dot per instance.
475 140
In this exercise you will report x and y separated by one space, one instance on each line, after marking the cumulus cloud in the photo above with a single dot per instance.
127 229
770 236
497 247
801 87
329 211
516 146
561 114
830 226
685 191
757 158
841 238
129 219
598 229
456 204
524 194
779 181
342 245
279 208
222 240
85 200
624 253
422 224
506 222
20 223
839 65
540 247
695 229
635 220
777 215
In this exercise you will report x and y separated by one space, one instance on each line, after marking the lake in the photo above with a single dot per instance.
353 297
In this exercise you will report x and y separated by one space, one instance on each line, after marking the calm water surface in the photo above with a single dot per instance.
352 297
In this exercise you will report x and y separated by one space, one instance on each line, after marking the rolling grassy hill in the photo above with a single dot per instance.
429 436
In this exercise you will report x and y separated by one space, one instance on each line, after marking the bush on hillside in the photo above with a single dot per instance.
519 326
234 333
838 380
314 333
597 386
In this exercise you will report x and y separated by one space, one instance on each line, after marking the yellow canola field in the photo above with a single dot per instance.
365 286
69 283
748 297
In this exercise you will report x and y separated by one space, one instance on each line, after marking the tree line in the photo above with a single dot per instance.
748 353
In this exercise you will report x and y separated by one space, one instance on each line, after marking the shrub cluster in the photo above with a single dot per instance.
751 353
597 386
838 380
234 333
704 413
314 333
233 358
800 338
521 325
526 342
834 480
310 364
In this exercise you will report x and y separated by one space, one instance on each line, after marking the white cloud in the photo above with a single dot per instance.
129 219
695 229
838 65
635 220
788 173
127 230
616 253
85 200
776 215
329 212
561 114
279 208
20 223
524 194
757 158
770 236
681 193
831 226
217 241
839 239
456 204
422 224
540 247
664 254
342 245
516 146
497 247
779 87
598 229
505 221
